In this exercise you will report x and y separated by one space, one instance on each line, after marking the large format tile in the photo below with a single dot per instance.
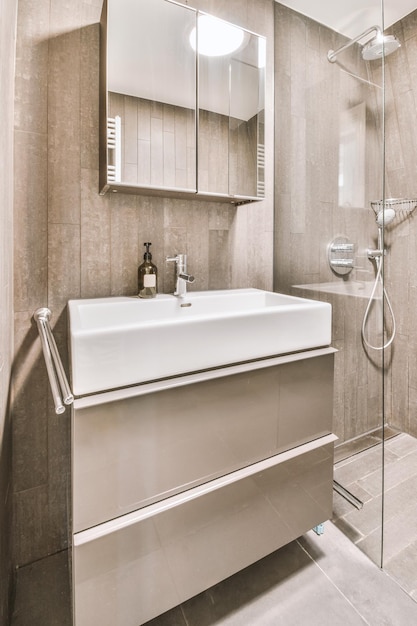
402 445
369 589
64 127
43 593
403 569
285 588
399 532
363 527
315 581
360 466
30 221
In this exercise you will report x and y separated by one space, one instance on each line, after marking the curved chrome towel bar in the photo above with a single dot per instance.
61 391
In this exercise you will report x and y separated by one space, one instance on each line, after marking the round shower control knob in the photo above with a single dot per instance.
340 254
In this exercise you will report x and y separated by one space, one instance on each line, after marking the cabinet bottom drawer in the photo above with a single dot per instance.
131 569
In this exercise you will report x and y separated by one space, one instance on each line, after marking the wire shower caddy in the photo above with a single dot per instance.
403 206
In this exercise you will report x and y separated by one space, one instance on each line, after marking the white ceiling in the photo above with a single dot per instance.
351 17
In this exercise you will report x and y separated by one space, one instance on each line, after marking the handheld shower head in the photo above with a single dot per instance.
385 217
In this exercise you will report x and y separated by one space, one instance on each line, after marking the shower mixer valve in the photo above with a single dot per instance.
340 254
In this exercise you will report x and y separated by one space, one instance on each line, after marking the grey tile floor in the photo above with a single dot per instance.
43 593
362 475
317 580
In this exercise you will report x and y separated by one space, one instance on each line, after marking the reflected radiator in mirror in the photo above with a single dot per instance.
114 147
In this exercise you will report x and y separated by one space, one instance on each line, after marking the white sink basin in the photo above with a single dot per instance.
122 341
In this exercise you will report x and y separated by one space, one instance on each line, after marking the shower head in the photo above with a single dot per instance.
385 217
375 48
379 46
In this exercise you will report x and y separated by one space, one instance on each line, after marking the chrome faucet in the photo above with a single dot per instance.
181 274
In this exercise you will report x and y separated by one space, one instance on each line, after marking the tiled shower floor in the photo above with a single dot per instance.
361 474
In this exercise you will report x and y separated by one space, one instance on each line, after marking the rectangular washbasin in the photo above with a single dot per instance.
120 341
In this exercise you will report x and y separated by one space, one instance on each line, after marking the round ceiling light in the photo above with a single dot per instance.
215 37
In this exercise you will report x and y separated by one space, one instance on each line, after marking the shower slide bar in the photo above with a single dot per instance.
61 391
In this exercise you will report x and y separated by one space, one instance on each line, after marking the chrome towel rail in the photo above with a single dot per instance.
61 391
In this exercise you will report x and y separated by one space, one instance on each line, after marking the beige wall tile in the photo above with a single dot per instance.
64 271
73 243
89 86
95 238
32 538
124 251
64 139
8 14
30 227
32 66
310 95
218 259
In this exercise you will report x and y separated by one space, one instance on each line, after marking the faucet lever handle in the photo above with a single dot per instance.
189 278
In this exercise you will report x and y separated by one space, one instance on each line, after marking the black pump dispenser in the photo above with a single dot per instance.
147 256
147 275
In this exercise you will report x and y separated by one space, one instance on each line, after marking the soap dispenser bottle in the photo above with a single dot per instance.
147 275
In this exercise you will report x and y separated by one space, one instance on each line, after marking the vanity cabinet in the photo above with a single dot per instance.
180 483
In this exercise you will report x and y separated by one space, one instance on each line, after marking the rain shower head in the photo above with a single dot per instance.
377 47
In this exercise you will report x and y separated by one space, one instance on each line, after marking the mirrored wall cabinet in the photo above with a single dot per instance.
181 103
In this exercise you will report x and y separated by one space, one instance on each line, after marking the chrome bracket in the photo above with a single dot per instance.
375 254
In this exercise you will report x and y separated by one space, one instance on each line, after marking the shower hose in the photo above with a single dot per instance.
378 279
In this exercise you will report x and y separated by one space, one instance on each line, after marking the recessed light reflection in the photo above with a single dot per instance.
215 37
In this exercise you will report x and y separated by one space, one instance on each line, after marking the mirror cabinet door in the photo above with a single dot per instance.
246 119
176 119
231 118
151 87
213 124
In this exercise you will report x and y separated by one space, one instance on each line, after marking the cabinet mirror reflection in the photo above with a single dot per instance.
180 116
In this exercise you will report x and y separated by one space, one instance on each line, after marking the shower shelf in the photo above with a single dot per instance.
404 205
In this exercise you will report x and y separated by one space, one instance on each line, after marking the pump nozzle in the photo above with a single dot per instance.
147 256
